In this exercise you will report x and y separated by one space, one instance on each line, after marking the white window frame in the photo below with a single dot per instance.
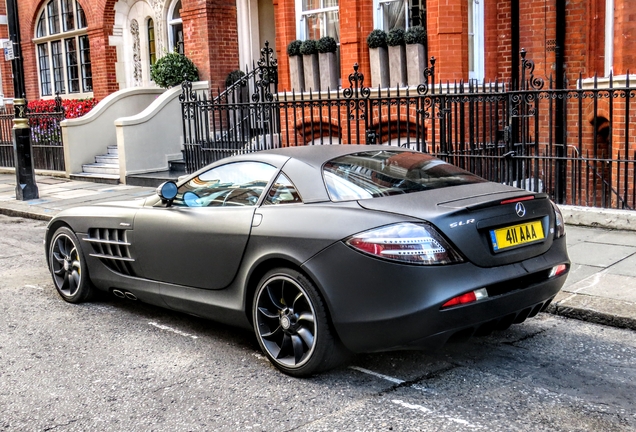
477 47
300 17
378 16
609 37
61 37
171 23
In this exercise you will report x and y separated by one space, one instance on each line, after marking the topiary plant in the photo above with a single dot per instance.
293 49
172 69
415 35
327 44
395 37
233 77
308 47
377 39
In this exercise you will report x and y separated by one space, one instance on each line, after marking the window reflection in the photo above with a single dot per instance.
231 185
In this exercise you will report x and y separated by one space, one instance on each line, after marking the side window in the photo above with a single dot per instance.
235 184
282 191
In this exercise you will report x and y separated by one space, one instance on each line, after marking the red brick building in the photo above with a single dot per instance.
85 48
476 39
81 48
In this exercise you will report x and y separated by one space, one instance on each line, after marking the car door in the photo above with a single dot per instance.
198 241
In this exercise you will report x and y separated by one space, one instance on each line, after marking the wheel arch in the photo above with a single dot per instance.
262 268
51 229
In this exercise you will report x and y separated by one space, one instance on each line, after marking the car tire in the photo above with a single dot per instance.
68 267
291 324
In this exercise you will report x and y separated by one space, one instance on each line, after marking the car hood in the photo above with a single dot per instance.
108 215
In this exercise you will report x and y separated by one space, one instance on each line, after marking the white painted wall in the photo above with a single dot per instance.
122 39
148 140
90 135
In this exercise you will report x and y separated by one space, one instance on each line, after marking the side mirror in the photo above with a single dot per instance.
167 191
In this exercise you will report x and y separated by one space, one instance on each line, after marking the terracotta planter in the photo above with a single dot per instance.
415 64
397 66
379 59
311 68
296 73
329 71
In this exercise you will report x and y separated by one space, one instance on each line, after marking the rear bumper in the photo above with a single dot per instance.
377 305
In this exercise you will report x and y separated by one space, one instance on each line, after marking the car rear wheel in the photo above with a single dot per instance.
68 268
291 324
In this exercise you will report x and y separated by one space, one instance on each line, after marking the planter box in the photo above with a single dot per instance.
379 59
296 73
415 64
329 71
397 66
312 72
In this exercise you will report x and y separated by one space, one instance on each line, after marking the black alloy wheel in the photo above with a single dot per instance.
291 325
67 266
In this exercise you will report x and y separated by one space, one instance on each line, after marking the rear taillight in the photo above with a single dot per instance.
559 224
406 242
469 297
558 270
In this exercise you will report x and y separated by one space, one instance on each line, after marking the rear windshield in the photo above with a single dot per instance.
382 173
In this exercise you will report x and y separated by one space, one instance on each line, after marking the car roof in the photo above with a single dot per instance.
317 155
303 164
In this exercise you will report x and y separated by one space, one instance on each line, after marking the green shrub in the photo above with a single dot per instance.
415 35
172 69
395 37
233 77
293 49
377 39
327 44
308 47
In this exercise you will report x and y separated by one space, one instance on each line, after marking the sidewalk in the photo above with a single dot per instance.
601 287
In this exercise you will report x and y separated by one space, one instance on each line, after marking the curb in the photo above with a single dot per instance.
592 316
25 214
599 217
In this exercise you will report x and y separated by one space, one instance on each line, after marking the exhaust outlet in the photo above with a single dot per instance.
130 296
119 293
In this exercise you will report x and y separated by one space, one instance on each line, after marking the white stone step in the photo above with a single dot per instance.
113 150
107 159
101 168
97 178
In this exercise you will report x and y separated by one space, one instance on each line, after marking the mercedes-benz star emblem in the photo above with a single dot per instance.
520 209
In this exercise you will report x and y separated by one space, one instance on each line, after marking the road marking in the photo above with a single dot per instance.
170 329
429 411
378 375
411 406
414 407
34 287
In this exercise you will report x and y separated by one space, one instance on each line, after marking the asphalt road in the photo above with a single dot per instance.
118 365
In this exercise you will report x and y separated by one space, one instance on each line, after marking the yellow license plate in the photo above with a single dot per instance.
516 235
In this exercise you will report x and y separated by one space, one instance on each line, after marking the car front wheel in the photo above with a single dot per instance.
68 268
291 324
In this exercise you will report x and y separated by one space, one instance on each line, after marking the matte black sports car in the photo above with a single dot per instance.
323 250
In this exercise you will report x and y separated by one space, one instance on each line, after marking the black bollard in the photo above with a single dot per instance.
25 186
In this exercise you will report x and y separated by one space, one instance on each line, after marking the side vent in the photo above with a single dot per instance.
112 248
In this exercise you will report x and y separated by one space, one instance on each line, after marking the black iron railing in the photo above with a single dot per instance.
46 139
575 144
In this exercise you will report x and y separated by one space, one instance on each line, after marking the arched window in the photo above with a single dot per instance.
152 48
175 27
62 49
